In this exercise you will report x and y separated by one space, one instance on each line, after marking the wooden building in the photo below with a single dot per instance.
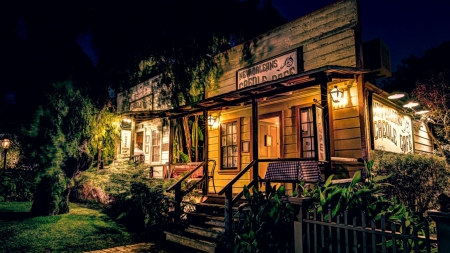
274 103
270 95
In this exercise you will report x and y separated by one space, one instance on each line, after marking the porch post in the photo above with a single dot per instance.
442 220
326 111
255 140
205 154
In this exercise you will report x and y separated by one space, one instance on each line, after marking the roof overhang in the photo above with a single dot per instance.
269 89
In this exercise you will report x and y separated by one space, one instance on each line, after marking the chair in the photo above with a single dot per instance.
211 173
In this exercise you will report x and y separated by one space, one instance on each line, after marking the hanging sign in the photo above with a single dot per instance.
273 69
125 142
392 130
320 134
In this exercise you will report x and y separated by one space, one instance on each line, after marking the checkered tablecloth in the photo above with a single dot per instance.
293 171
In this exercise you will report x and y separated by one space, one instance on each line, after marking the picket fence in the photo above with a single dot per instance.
316 233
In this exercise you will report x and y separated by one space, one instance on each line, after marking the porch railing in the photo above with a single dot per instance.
180 193
316 233
228 189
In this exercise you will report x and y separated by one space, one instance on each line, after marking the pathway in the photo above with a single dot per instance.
147 247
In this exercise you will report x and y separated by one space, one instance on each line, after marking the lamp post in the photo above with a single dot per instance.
5 146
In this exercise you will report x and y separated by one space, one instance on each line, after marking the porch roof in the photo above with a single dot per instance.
239 97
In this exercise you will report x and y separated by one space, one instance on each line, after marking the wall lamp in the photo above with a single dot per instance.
336 94
211 120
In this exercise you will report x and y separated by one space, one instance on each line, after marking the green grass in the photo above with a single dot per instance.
80 230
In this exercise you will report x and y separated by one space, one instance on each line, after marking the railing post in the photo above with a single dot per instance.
442 220
206 178
178 199
255 140
228 212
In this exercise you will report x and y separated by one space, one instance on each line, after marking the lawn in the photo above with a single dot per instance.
80 230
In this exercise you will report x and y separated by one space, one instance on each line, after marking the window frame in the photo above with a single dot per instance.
152 146
299 131
231 170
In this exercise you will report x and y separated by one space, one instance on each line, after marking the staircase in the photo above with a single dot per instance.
201 228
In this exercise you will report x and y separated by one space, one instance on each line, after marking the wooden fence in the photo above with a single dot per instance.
315 233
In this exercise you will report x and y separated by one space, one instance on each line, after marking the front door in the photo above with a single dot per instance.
269 141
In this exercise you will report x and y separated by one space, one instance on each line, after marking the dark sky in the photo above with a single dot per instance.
407 27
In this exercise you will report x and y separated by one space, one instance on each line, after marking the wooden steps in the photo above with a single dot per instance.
203 227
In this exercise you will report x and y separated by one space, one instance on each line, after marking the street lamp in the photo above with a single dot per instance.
5 146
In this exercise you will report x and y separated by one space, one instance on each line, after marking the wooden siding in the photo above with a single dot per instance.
346 123
327 37
422 140
286 105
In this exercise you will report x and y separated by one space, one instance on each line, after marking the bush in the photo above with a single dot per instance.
17 185
416 179
267 224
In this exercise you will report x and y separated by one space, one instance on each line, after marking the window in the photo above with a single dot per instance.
229 145
156 146
307 147
139 140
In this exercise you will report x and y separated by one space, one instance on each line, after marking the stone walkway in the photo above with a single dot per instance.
143 247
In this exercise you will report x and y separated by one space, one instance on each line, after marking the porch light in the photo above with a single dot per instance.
211 120
336 94
411 105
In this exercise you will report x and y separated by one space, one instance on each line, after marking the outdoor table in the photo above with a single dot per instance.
293 171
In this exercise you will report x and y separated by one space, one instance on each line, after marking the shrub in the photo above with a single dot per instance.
416 179
17 185
267 222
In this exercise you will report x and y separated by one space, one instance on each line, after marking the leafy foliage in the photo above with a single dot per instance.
364 196
267 221
57 141
416 180
17 185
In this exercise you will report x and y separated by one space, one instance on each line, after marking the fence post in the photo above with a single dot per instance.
442 220
301 204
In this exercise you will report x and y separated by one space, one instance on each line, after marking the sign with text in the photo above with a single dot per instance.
125 142
273 69
392 130
320 134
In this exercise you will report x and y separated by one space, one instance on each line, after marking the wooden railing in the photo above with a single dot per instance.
179 193
228 189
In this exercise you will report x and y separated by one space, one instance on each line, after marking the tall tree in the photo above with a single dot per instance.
57 140
412 69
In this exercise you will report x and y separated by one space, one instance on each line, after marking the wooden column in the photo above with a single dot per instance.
205 154
362 101
255 140
326 111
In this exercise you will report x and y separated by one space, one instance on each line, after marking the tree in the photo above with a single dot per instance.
412 69
58 141
434 94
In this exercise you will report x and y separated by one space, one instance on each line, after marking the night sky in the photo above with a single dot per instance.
407 27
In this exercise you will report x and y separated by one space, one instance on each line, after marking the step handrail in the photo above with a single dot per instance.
237 177
185 177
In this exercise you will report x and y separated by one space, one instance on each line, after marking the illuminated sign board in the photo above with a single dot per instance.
273 69
392 130
125 142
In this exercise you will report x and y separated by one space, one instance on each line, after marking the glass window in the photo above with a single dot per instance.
156 146
229 145
307 133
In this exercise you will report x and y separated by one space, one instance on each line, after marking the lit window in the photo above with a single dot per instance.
307 148
229 145
156 146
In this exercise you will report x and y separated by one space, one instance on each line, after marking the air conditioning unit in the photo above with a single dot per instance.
377 58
